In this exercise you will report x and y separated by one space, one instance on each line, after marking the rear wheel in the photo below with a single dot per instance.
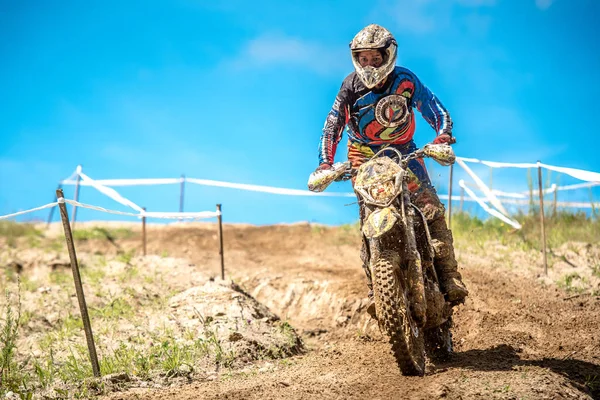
393 313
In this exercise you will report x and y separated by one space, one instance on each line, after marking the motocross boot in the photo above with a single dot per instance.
445 261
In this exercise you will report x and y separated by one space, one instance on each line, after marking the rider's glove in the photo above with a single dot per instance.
323 166
444 138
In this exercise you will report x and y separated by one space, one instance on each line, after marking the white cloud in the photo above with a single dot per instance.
421 17
453 36
277 49
494 128
543 4
417 16
476 3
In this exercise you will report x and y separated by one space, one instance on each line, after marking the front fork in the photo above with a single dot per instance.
414 270
408 255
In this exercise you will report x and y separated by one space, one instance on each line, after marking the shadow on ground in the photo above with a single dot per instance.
584 375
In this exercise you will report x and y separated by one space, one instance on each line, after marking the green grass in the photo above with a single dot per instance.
12 377
12 231
93 276
115 309
16 229
470 230
61 278
126 256
567 283
596 270
102 233
562 228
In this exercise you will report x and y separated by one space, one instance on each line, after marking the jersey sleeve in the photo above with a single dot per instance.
334 123
432 109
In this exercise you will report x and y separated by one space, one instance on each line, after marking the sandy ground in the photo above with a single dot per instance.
518 336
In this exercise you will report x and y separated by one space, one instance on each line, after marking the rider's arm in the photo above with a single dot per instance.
432 109
335 123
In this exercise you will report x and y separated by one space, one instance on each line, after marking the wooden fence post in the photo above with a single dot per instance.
144 231
542 217
221 242
78 286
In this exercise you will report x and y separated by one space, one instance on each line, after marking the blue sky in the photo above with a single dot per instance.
238 91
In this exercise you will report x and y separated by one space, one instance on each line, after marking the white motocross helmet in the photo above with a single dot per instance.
374 37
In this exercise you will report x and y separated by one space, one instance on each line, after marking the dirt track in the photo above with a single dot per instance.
515 338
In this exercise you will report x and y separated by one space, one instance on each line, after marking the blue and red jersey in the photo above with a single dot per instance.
372 115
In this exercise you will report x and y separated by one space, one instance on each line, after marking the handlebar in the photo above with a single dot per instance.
402 159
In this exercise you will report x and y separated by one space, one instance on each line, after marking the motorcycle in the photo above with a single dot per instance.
409 304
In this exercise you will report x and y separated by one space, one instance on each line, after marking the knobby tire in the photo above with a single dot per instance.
395 319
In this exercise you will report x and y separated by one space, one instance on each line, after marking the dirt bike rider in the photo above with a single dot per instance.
376 103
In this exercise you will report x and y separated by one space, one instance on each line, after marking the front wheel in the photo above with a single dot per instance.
439 341
394 316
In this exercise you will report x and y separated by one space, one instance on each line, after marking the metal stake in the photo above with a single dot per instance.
52 209
221 242
144 231
542 217
78 286
592 202
181 193
554 203
76 197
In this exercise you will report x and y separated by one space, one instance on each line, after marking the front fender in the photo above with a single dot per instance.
379 222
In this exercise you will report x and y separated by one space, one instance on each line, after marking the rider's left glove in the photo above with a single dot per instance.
444 138
323 166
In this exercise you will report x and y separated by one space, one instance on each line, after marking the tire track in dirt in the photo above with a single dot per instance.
514 338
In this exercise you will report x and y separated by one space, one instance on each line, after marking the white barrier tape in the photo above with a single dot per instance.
49 205
523 195
72 176
297 192
578 186
553 188
564 204
506 194
126 182
493 199
500 193
491 211
205 182
494 164
266 189
112 193
167 215
576 173
91 207
581 174
194 215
